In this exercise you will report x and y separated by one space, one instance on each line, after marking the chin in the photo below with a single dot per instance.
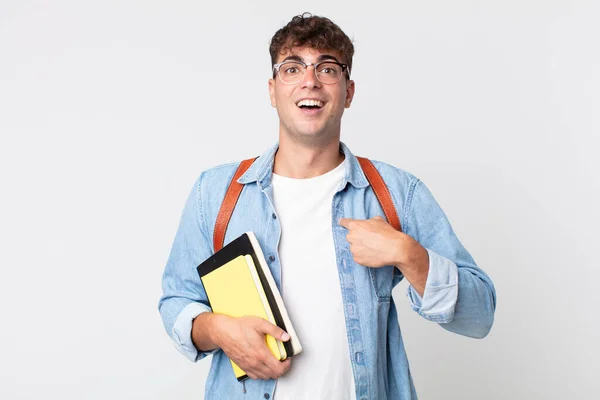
310 129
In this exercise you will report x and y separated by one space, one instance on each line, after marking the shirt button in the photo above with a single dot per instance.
271 258
358 356
274 216
267 395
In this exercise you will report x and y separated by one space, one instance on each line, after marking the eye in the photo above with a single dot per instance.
291 68
329 69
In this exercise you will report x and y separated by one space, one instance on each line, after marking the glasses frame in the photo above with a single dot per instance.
277 68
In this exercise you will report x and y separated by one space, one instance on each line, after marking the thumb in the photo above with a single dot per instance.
273 330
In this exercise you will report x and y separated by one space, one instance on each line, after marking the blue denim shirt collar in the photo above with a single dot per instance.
261 171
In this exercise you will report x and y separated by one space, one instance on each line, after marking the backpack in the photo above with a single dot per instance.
235 189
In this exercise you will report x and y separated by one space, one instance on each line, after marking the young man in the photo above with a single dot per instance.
333 257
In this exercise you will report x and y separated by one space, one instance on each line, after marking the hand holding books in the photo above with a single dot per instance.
247 308
243 340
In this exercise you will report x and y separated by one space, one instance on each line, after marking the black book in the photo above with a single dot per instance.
238 282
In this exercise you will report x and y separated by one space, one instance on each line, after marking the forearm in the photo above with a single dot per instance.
413 261
203 328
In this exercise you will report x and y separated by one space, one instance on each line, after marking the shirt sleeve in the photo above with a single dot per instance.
183 297
441 290
182 332
458 294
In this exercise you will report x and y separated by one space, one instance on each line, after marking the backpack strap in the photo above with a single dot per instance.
235 189
231 197
381 192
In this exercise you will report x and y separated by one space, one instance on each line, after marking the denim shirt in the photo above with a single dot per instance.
458 294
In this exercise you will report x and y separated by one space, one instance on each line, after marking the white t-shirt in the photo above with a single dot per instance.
310 288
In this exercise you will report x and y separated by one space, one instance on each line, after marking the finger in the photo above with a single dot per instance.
258 369
266 372
273 330
250 362
286 365
272 365
345 222
265 354
379 217
271 362
280 368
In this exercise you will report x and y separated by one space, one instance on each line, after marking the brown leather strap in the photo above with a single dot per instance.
381 192
235 189
229 202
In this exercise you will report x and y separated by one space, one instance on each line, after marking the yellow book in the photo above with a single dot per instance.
234 289
238 282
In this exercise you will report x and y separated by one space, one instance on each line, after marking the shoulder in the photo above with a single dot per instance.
395 178
213 181
219 174
211 186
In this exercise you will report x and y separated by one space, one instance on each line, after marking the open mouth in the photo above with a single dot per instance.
310 104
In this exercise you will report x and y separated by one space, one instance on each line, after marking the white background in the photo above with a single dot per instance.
109 111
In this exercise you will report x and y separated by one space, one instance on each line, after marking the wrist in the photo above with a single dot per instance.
203 331
400 251
411 256
211 327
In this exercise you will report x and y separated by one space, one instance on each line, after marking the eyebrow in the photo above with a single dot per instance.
319 59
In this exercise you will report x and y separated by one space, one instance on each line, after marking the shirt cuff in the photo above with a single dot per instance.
182 332
441 290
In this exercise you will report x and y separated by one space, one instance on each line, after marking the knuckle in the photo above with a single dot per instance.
282 370
263 375
265 326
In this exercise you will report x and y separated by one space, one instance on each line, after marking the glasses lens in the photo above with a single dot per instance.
329 73
291 72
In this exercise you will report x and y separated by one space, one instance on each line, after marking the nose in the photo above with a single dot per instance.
310 78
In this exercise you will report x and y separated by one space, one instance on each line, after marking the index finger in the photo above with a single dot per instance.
345 222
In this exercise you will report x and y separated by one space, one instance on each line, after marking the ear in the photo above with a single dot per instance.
349 93
272 92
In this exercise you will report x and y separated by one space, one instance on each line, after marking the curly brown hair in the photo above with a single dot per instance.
309 30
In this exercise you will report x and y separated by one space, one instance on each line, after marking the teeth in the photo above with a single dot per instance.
317 103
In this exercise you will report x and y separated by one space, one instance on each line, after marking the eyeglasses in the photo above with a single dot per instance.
328 72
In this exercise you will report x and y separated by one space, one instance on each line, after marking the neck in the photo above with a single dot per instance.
302 161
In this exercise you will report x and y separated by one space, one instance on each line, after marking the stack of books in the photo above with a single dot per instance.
238 283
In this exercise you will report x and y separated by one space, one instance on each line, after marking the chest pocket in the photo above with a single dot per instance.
382 280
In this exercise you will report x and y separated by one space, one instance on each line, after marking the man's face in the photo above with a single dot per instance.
314 124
